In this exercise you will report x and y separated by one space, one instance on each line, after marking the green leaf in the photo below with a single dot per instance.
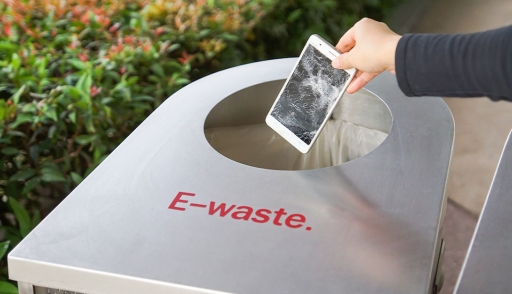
134 23
3 109
20 119
8 288
82 104
294 15
141 106
108 111
72 117
89 126
10 111
72 91
36 219
51 131
203 33
41 70
22 175
3 248
9 151
30 185
17 134
158 69
15 61
107 100
8 46
154 79
62 23
41 95
173 47
181 81
29 108
112 75
77 63
85 139
84 83
16 97
21 215
33 152
229 37
133 80
52 113
140 98
49 174
76 178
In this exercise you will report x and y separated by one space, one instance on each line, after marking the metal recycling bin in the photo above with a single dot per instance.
488 262
167 213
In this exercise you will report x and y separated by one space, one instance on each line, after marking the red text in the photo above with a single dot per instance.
279 217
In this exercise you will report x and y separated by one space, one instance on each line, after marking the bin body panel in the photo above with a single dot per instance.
367 226
489 259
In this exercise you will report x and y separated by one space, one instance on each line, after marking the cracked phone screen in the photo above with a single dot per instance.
309 95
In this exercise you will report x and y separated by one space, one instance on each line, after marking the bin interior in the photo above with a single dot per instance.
236 128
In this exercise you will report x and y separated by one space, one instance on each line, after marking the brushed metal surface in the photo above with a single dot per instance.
374 221
488 262
25 288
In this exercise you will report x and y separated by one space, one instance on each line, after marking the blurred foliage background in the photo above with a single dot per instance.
77 76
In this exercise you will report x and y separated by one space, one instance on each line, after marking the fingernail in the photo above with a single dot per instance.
335 63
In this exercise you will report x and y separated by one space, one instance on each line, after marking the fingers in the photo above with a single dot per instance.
346 42
359 81
344 61
349 88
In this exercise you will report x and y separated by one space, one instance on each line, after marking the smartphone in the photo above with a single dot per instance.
309 95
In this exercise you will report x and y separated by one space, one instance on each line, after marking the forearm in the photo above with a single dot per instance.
469 65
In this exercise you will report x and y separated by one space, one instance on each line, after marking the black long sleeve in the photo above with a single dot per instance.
464 65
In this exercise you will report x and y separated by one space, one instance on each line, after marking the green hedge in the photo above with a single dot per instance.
284 29
77 76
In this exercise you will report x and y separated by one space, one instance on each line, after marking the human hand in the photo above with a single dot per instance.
369 46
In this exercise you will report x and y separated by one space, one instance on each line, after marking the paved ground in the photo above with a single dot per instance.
459 225
481 127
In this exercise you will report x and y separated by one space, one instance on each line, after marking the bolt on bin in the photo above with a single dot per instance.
203 198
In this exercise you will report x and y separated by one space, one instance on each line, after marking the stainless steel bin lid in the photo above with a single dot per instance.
149 218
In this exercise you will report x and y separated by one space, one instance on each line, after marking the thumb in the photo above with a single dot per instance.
344 61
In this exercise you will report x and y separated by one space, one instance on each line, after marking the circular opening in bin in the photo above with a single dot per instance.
236 128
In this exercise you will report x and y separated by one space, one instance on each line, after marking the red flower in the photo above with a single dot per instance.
85 18
159 31
114 28
185 57
82 57
122 70
95 91
118 48
146 46
105 21
7 30
76 11
129 40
